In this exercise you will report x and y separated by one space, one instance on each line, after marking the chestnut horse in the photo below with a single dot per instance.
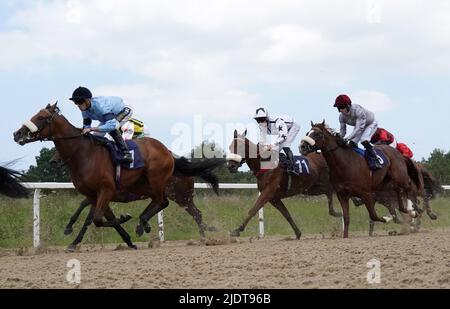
430 188
10 185
93 172
351 176
274 185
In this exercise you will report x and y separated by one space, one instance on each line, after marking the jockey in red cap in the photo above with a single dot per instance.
363 121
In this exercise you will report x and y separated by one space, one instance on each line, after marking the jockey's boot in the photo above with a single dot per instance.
291 163
372 154
127 158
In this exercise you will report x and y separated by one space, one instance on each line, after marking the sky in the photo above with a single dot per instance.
195 70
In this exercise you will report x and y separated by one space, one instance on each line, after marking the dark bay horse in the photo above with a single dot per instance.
180 190
350 175
93 172
10 185
274 186
430 188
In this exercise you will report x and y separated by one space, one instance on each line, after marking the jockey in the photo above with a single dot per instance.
364 122
111 112
133 129
384 137
284 127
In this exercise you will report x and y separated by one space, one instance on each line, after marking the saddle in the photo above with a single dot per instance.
117 155
301 164
381 157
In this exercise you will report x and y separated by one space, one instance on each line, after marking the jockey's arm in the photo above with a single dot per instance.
343 130
282 131
109 125
87 122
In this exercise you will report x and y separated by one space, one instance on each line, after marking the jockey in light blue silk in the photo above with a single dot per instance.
111 112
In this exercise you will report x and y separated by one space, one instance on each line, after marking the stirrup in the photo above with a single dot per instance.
127 158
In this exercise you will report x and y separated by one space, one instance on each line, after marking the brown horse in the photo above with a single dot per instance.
429 189
274 185
10 185
350 175
93 172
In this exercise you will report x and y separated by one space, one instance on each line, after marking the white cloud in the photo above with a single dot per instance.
372 100
149 102
206 51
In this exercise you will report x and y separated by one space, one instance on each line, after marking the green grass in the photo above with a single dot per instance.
225 212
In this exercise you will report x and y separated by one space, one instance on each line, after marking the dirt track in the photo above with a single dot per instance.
419 260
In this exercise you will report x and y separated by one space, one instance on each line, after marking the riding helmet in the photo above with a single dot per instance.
81 93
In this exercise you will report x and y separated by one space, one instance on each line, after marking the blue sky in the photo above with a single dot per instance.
175 61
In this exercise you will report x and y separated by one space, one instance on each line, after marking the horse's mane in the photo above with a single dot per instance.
333 132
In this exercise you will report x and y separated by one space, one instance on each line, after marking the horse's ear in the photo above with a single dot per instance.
312 124
323 122
245 133
235 134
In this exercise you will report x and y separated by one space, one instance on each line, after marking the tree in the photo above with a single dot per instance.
439 165
46 172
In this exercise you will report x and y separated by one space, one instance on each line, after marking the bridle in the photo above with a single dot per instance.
315 148
36 129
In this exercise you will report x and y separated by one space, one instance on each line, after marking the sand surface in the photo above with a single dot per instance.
420 260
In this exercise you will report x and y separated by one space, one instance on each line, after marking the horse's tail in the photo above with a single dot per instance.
199 167
10 185
413 173
432 186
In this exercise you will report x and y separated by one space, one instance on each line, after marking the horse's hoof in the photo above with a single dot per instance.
68 231
139 230
336 214
71 248
432 215
147 228
133 247
235 233
298 236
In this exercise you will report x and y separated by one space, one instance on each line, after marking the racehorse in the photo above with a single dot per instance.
351 176
429 190
180 190
273 185
10 185
94 174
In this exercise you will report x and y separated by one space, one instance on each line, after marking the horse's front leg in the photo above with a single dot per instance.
152 209
69 228
265 196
